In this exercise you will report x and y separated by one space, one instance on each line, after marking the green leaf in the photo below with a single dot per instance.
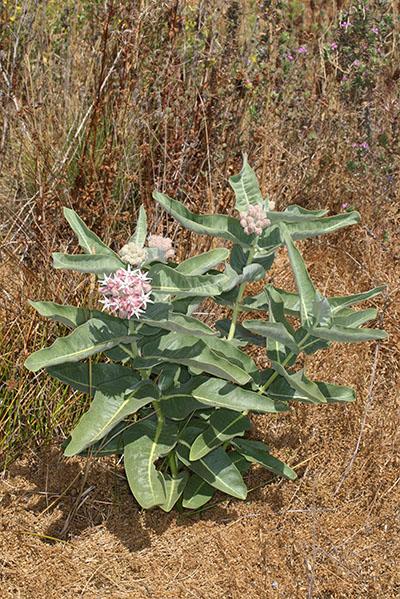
112 403
338 303
295 214
275 331
68 315
307 292
180 323
241 334
89 338
227 351
245 186
301 383
98 264
214 392
140 234
346 334
111 444
353 318
148 441
194 353
178 403
197 492
186 305
223 425
215 468
200 264
252 272
216 225
174 486
167 280
321 310
88 378
322 226
255 451
88 240
280 390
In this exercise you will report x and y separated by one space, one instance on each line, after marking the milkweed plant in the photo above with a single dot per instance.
171 394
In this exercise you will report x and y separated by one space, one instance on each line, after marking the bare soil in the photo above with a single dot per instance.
69 532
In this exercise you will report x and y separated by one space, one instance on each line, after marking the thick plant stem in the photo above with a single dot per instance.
173 466
240 295
287 359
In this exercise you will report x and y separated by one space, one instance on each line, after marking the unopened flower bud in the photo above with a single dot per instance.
132 254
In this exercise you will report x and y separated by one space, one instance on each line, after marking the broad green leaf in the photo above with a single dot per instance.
353 318
275 331
321 310
218 393
88 378
98 264
280 390
322 226
140 234
307 292
88 240
147 441
295 214
223 425
216 225
252 272
197 492
241 334
245 186
69 315
174 486
87 339
336 393
167 280
300 383
186 305
200 264
112 403
111 444
227 351
346 334
338 303
215 468
192 352
308 343
291 302
180 323
255 451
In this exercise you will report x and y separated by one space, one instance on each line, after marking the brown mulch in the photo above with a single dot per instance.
333 533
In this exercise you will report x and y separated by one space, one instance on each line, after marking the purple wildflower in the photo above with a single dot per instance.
333 46
126 292
301 50
375 30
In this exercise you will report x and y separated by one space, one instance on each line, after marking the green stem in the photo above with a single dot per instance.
236 308
286 360
173 464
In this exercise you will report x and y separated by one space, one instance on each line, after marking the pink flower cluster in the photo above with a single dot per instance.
126 292
254 220
163 243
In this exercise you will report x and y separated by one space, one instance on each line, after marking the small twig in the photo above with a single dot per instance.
368 400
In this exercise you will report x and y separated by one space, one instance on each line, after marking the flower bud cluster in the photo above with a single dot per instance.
254 220
163 243
132 254
126 292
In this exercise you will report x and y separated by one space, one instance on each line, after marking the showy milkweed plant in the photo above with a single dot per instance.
171 394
